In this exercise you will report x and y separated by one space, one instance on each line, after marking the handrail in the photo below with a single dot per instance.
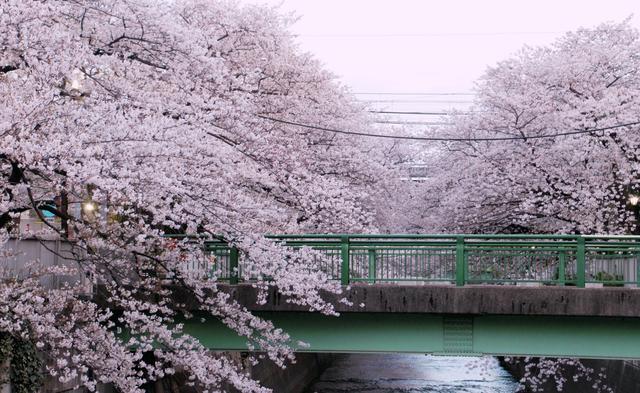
416 236
460 258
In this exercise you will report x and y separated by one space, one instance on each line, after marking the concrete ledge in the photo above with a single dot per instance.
468 300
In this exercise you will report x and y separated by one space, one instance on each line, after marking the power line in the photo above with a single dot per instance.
409 35
427 101
414 94
414 123
419 113
447 139
450 34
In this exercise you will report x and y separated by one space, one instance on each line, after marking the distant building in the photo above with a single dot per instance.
415 172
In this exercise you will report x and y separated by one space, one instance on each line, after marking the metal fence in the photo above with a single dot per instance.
460 259
20 258
411 259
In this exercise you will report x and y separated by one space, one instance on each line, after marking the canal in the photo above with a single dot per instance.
400 373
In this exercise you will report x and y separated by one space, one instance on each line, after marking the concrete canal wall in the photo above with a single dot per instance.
622 376
295 378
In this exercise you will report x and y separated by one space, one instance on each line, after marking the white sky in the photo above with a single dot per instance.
418 46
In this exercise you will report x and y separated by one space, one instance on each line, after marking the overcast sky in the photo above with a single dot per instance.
412 46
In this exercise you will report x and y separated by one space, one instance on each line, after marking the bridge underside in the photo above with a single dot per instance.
517 335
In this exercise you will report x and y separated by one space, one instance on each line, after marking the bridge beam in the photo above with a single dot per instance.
553 336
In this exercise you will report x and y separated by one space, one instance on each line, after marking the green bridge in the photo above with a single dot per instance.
529 295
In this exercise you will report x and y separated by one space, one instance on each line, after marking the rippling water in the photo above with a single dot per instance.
386 373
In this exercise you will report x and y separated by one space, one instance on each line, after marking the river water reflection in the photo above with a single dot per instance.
386 373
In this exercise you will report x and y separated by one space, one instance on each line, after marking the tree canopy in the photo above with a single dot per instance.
586 84
152 116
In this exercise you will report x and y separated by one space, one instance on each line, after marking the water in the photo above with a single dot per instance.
400 373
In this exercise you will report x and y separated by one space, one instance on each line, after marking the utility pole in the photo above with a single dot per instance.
634 202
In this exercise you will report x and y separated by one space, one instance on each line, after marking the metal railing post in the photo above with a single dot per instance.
344 253
580 263
562 267
460 261
372 265
233 265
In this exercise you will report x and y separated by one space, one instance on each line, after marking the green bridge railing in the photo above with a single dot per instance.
458 259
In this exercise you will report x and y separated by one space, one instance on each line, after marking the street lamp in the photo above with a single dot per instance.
89 207
634 199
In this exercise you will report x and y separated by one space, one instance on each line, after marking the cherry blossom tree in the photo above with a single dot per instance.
586 84
156 118
521 178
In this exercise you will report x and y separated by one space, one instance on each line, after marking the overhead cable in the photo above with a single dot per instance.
419 113
414 123
434 101
413 94
448 139
447 34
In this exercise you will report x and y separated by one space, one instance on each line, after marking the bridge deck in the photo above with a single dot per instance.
468 300
470 320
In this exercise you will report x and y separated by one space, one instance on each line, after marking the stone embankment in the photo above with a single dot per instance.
622 376
296 377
